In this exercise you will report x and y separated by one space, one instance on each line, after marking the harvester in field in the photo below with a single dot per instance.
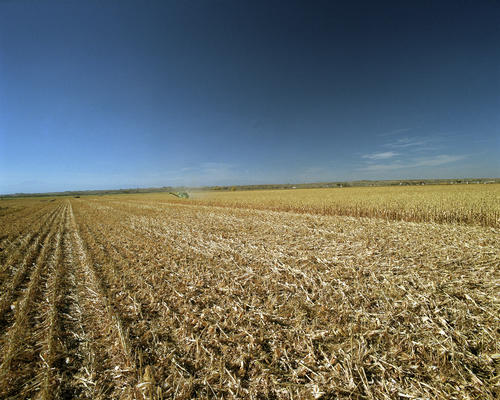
180 195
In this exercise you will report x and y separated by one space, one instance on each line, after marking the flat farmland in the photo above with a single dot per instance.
309 294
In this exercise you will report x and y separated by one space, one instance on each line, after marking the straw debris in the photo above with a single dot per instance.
135 297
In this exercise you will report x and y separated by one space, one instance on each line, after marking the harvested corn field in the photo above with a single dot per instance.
152 297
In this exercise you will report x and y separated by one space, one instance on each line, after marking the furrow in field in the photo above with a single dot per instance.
11 228
16 227
31 229
79 379
109 278
61 353
25 247
14 285
131 299
112 363
13 222
22 342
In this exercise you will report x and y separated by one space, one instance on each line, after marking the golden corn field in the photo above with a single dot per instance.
369 293
466 204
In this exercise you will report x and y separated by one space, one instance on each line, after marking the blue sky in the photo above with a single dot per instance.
113 94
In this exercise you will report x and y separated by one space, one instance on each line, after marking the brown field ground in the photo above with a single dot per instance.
269 296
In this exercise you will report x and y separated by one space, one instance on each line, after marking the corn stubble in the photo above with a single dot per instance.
150 297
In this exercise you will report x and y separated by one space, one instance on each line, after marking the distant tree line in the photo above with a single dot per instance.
184 190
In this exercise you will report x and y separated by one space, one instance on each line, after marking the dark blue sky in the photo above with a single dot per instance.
113 93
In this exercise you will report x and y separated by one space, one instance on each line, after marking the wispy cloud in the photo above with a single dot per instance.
432 161
438 160
380 156
408 142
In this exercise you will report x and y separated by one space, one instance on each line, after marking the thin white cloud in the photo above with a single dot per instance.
438 160
433 161
380 156
407 142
